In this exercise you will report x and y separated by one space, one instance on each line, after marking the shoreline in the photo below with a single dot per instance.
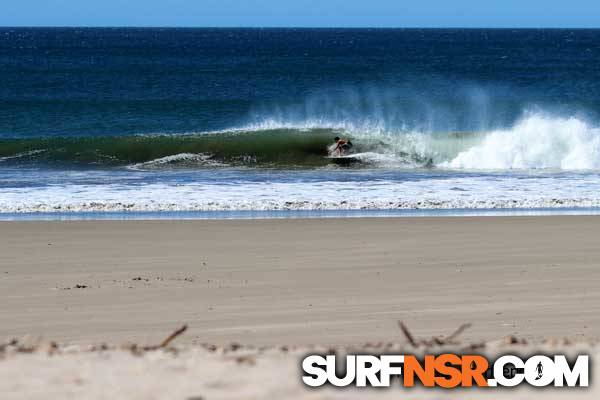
293 214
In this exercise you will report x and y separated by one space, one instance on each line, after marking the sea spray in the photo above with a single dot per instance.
536 142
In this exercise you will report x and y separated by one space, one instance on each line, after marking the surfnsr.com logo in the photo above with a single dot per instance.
445 371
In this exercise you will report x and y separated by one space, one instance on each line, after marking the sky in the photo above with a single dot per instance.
303 13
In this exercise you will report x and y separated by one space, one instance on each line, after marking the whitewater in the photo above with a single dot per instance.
237 190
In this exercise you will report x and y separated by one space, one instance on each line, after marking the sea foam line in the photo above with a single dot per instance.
302 205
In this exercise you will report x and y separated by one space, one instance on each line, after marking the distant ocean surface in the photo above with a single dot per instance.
112 120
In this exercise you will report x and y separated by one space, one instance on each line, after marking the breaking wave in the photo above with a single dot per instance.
537 141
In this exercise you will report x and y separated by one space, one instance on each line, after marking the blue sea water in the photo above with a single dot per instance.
241 120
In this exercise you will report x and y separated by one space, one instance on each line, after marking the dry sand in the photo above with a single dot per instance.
271 282
194 373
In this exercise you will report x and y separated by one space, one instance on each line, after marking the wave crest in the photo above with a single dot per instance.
538 141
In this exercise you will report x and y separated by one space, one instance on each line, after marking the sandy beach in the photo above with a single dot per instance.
331 281
323 282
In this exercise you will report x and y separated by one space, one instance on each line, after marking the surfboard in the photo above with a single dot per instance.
344 160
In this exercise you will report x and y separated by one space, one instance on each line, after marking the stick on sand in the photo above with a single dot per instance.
168 339
407 334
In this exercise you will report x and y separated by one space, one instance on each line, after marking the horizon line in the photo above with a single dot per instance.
289 27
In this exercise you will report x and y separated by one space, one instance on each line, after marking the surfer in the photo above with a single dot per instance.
342 146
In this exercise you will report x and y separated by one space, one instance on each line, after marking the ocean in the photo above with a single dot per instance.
126 120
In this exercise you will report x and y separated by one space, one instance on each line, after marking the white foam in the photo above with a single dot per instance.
537 142
232 194
22 155
199 159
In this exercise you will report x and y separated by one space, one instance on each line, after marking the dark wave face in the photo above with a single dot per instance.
296 148
272 147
